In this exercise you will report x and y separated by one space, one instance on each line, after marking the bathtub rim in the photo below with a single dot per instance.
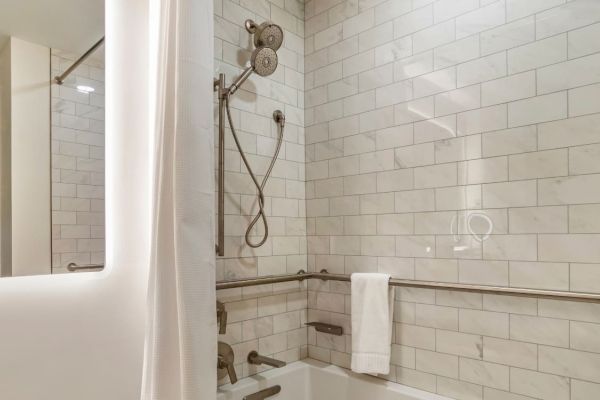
308 366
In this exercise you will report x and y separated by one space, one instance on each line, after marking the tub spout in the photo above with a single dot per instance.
257 359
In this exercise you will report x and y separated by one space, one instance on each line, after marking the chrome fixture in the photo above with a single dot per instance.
60 79
225 361
221 318
256 359
267 39
263 61
459 287
263 394
266 34
326 328
73 267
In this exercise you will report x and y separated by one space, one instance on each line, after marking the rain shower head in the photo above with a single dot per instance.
263 61
266 34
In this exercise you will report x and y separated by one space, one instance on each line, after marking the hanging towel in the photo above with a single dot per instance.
372 314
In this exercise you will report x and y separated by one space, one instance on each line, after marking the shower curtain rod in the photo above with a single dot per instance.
500 290
61 78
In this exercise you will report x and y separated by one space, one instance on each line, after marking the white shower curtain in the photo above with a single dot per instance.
181 338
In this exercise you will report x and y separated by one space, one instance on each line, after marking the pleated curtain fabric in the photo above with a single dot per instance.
181 336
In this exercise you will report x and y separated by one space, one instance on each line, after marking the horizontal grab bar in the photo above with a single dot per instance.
263 280
462 287
73 267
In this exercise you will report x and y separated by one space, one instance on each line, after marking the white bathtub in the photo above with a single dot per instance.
313 380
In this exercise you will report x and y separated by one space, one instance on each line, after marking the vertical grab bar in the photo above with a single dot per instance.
219 86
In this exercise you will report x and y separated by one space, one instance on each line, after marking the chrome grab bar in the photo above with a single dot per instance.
263 394
219 87
263 280
73 267
460 287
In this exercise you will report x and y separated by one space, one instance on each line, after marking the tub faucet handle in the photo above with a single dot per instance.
225 363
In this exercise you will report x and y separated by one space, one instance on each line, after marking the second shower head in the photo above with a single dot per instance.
263 61
266 34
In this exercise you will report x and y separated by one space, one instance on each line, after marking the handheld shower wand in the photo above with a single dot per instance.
263 61
268 37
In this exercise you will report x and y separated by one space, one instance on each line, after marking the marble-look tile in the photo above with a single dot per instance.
539 385
484 373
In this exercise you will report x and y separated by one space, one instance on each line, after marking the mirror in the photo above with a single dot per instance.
51 136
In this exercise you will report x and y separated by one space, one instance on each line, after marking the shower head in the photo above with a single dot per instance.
263 61
266 34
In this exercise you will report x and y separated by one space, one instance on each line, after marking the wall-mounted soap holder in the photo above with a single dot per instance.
327 328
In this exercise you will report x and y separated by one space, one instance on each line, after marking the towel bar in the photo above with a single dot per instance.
461 287
72 267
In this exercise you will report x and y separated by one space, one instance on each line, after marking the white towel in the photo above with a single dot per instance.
372 314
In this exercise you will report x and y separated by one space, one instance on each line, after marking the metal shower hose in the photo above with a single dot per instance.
259 187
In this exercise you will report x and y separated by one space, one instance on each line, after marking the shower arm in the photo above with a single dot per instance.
240 80
219 86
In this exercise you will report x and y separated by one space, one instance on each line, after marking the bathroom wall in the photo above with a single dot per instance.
77 163
458 141
268 318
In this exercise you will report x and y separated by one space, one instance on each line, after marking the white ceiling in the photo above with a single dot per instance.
72 25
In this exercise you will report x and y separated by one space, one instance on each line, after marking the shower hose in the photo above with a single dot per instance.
259 187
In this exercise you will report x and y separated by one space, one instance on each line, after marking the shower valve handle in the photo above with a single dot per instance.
225 361
224 364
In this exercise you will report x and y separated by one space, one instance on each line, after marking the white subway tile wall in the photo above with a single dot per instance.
269 318
448 140
77 163
458 141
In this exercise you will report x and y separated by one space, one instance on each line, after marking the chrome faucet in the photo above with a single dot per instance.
257 359
225 363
